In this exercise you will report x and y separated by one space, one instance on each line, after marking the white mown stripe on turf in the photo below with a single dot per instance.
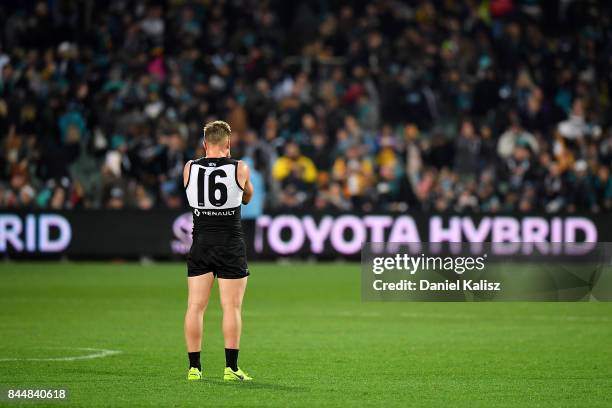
96 353
417 315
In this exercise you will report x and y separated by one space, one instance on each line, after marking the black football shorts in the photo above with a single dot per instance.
227 261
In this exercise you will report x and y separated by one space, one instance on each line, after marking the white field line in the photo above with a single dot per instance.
94 353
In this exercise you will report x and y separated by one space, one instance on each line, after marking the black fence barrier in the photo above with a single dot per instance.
166 234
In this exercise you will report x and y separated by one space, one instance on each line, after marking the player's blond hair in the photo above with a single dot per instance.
217 132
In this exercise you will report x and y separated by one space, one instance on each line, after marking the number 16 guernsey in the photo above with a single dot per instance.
215 197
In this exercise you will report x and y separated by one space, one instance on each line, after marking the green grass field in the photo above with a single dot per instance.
308 340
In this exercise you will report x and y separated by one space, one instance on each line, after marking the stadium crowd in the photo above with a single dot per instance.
479 106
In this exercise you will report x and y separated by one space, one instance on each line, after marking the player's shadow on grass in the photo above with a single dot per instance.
258 385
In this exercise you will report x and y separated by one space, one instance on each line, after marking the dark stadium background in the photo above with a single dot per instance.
388 107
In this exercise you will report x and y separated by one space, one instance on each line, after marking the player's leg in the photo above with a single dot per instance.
231 293
199 293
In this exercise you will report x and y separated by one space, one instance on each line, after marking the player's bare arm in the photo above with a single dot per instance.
186 173
244 178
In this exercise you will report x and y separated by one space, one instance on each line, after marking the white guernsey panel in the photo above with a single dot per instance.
213 187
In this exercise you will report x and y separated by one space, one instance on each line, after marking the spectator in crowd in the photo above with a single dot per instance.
355 173
555 188
294 167
256 205
582 192
576 127
467 150
603 189
513 137
332 199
